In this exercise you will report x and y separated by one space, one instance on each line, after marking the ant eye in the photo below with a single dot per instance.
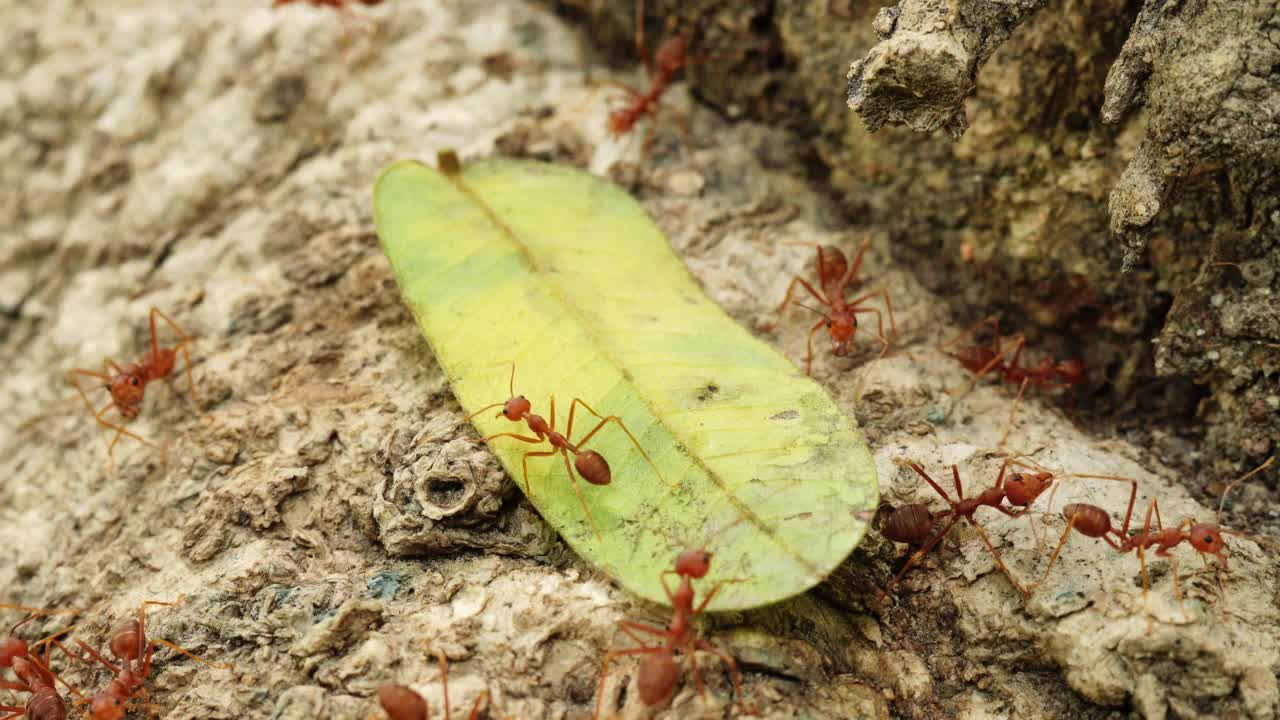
828 323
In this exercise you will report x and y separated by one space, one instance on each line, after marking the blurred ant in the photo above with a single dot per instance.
127 385
130 645
659 672
835 274
980 360
34 675
402 703
1205 538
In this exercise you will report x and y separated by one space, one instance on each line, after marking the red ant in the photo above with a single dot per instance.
658 671
1047 375
914 524
590 464
401 703
129 644
834 276
33 674
1205 538
671 57
128 384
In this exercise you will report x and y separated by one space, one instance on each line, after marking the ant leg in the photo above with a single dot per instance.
45 665
808 360
786 300
1173 565
184 340
732 664
629 628
999 561
528 490
955 472
857 262
1066 533
188 653
706 599
604 669
1146 608
94 654
692 651
483 697
444 680
884 594
522 438
578 491
603 420
1008 425
888 304
920 471
993 320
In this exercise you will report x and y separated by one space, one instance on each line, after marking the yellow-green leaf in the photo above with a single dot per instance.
566 276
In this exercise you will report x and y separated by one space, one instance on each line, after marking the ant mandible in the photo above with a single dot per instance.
980 360
1205 538
590 464
33 674
127 385
914 524
130 645
835 274
402 703
659 672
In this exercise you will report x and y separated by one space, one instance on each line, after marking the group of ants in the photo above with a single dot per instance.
1017 487
916 525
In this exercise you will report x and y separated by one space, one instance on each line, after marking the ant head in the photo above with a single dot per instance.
1024 488
693 563
515 408
672 55
1207 538
400 702
657 678
106 706
841 326
10 648
1071 371
126 390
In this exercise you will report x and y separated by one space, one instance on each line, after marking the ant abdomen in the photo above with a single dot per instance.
657 678
401 703
593 467
1088 520
911 524
126 641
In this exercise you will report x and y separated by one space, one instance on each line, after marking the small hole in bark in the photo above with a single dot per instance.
446 492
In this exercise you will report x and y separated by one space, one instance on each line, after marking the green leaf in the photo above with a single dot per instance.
566 276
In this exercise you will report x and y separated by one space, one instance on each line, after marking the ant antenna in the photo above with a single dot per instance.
1223 501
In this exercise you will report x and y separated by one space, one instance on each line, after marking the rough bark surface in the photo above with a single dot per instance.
319 508
1041 209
